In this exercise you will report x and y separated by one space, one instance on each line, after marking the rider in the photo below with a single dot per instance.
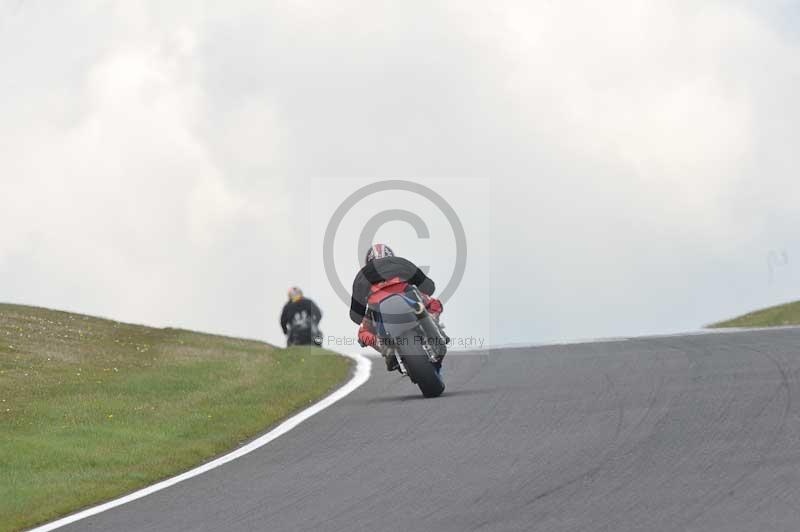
385 272
297 304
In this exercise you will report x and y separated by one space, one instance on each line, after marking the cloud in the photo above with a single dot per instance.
113 210
159 159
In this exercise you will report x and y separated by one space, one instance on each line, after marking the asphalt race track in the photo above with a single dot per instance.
690 433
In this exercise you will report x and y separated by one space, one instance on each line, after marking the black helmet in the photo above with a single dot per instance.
378 251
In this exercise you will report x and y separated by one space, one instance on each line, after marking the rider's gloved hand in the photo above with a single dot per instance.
434 306
367 338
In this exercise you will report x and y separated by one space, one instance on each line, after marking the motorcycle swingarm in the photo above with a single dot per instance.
403 370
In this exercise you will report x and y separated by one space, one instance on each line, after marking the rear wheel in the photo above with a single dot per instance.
299 339
420 369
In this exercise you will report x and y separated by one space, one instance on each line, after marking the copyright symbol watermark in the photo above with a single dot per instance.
371 227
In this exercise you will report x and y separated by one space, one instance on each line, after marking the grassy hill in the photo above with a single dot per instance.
91 409
787 314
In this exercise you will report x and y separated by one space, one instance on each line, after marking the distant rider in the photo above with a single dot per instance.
384 272
295 308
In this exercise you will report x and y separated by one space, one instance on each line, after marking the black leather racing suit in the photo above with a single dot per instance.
380 270
293 307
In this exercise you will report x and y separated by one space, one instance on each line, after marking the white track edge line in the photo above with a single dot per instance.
655 336
360 376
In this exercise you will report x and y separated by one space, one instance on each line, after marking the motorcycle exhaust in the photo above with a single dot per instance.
433 333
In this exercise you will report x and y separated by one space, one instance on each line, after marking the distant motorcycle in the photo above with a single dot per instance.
303 329
407 331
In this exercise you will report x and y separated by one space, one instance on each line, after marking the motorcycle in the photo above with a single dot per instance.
408 332
303 330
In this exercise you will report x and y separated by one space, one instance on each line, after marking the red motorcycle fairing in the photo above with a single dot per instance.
384 289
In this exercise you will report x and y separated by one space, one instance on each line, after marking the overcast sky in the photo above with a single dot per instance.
619 167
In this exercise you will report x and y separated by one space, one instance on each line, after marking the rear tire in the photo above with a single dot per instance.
420 369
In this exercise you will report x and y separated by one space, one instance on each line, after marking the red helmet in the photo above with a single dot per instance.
378 251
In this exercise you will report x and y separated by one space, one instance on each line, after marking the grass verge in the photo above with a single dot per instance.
787 314
91 409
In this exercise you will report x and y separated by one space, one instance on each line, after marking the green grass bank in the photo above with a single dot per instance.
91 409
787 314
